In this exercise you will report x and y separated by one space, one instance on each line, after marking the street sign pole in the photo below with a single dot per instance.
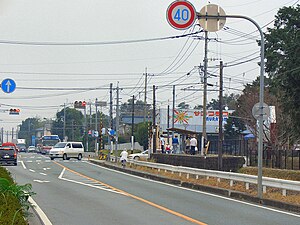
261 91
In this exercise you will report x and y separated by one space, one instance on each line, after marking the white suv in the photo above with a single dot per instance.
67 150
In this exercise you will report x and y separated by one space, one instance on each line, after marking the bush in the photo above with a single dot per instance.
14 203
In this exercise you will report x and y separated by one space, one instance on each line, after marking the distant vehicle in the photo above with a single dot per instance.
8 155
31 149
21 144
137 156
67 150
47 142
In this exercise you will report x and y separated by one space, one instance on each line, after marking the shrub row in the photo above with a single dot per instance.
12 211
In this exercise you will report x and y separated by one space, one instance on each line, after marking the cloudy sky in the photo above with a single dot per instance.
61 51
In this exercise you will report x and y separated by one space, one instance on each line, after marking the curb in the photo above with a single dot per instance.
214 190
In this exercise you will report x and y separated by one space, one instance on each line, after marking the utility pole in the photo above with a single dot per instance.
204 135
64 131
111 106
173 111
2 135
12 134
85 131
117 124
154 121
96 128
220 143
145 96
168 123
132 124
90 126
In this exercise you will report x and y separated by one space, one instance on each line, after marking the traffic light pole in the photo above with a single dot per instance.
261 91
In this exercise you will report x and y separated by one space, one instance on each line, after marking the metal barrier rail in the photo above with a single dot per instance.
248 179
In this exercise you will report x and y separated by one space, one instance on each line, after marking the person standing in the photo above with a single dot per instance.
193 143
187 145
175 143
162 144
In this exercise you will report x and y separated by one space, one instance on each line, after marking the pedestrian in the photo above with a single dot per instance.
188 145
193 143
175 143
123 158
168 149
162 144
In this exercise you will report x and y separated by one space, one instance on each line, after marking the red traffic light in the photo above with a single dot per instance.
80 104
14 111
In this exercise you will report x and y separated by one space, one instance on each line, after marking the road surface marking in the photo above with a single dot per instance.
40 212
134 197
23 165
41 181
201 192
32 170
43 174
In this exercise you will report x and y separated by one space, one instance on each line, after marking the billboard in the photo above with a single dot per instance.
192 119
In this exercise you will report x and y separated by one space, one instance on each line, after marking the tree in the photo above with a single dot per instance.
228 101
28 127
141 134
74 124
283 59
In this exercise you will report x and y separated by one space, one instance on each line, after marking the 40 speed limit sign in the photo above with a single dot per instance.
181 14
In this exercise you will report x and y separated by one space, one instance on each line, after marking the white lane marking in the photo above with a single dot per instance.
40 212
89 185
32 170
43 174
205 193
46 168
23 165
38 160
29 161
42 181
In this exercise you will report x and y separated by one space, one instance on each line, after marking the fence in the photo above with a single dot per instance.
273 158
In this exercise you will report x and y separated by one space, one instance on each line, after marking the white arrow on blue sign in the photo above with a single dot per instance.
8 85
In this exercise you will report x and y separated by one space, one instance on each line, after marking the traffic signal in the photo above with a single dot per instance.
14 111
79 104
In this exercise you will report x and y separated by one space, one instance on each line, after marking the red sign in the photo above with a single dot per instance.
181 15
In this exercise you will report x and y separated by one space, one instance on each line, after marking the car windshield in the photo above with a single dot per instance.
60 145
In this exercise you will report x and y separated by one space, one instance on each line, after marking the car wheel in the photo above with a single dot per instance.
79 156
15 164
65 157
136 158
51 158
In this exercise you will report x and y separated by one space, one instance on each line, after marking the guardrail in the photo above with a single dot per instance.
247 179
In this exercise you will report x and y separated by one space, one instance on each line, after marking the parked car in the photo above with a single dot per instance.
67 150
8 155
137 156
31 149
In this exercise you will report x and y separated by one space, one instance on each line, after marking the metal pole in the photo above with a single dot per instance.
96 127
204 135
145 97
220 143
168 124
64 131
173 112
117 124
261 94
154 122
132 124
85 131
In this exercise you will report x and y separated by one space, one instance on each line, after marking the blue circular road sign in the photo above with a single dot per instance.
8 85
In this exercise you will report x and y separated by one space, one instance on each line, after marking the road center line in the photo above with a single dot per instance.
23 164
133 196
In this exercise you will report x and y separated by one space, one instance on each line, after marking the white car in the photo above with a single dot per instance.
31 149
137 156
67 150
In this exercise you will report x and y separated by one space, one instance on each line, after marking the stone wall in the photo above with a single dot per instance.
230 163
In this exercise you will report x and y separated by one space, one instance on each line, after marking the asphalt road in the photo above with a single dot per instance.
78 192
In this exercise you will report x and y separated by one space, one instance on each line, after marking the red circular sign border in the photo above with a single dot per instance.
181 26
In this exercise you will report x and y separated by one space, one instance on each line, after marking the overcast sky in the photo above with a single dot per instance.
102 52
